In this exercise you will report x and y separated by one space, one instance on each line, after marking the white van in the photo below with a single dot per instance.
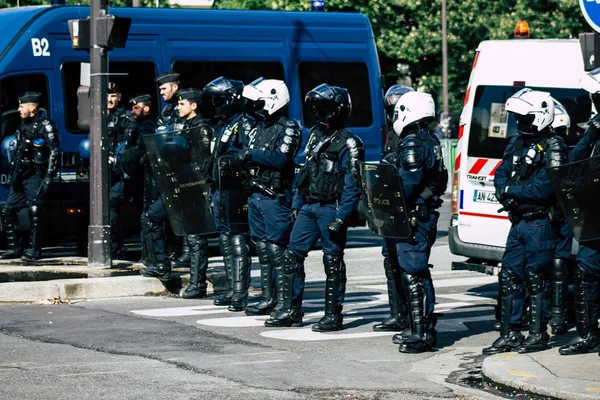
501 68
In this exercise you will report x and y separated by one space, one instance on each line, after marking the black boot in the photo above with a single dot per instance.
398 319
558 310
185 258
290 313
510 336
333 319
34 251
421 339
587 298
8 221
265 306
227 253
198 250
160 270
241 270
538 338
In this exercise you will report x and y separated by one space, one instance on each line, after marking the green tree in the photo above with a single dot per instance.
409 32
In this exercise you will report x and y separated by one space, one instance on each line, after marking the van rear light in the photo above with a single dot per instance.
455 191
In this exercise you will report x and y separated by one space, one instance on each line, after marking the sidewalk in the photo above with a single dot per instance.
546 374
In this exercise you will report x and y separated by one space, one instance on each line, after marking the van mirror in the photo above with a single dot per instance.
84 108
590 48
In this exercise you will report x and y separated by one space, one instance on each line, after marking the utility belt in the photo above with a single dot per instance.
270 192
310 200
532 215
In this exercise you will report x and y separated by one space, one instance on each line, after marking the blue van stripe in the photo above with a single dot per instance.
460 203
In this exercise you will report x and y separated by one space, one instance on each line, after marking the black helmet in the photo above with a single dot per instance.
331 105
391 98
225 95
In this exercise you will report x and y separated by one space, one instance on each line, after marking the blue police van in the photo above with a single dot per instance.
302 48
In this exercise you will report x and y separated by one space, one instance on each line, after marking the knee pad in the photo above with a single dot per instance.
225 244
239 245
390 268
261 251
559 270
194 242
333 264
413 283
34 214
535 281
290 261
508 281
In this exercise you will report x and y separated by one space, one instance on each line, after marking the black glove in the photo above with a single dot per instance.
593 129
46 183
243 156
509 205
501 194
336 226
294 215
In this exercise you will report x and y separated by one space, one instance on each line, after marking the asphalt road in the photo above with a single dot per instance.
167 347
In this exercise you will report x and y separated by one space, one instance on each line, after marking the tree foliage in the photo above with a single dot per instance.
409 32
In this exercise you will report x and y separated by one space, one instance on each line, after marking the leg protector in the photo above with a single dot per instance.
510 336
265 306
559 293
419 341
290 313
185 258
333 319
227 253
275 253
35 234
198 249
587 300
538 339
8 222
240 249
153 237
398 320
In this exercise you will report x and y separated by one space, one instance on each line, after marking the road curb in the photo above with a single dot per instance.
521 372
101 288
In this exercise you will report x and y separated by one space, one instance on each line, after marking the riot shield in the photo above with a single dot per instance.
233 195
576 186
384 201
181 181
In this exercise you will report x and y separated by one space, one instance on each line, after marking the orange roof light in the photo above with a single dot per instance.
522 30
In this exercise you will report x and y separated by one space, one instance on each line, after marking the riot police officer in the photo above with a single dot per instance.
398 319
586 287
225 96
120 134
154 245
560 272
523 189
424 179
168 84
196 128
33 169
328 195
269 159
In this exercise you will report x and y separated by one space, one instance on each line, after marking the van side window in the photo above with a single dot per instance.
491 126
132 78
352 76
197 74
13 86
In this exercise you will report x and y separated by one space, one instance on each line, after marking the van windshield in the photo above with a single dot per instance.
491 126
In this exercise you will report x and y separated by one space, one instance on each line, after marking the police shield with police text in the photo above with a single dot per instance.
269 159
523 189
228 194
423 176
586 288
327 196
33 168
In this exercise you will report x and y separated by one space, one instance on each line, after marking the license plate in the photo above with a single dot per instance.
484 197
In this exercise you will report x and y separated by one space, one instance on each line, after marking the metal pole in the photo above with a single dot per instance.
99 237
136 3
445 63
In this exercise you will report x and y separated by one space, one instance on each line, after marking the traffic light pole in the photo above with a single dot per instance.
99 235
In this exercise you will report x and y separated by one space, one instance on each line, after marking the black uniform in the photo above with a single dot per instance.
33 168
121 129
198 129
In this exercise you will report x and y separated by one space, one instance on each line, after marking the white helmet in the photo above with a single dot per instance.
534 110
590 82
413 107
274 93
561 122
